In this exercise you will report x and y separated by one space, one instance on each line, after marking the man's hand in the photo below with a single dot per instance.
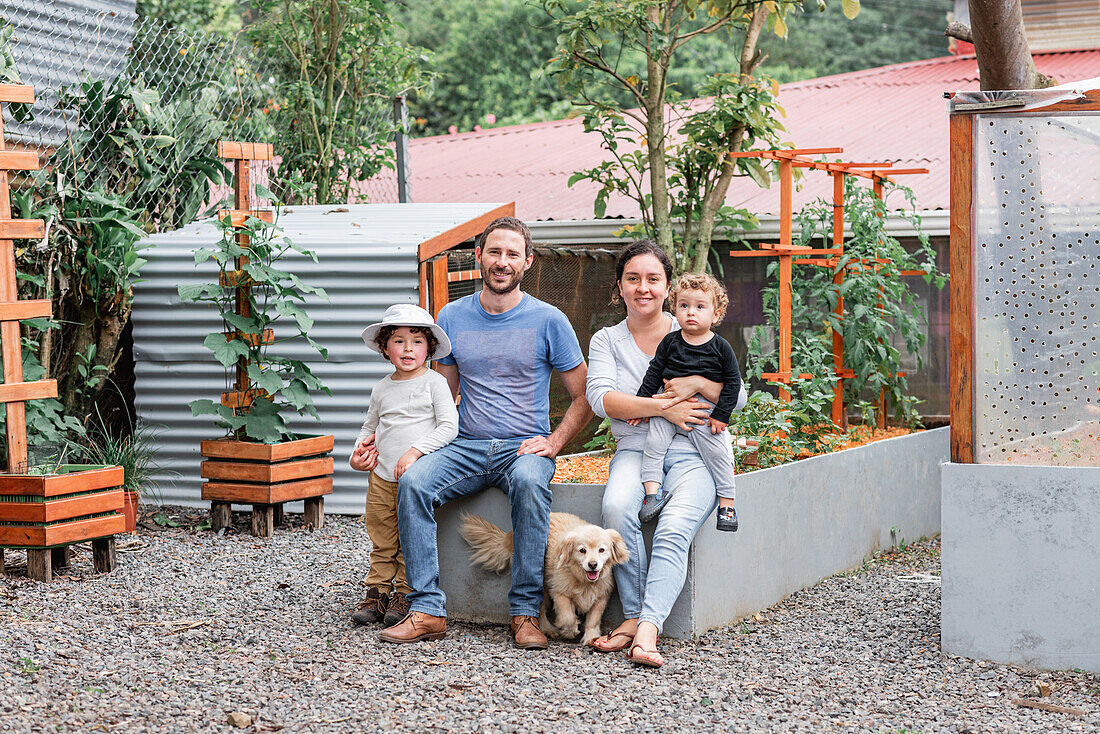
717 426
406 461
540 446
365 456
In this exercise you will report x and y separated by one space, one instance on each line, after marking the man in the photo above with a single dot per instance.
505 345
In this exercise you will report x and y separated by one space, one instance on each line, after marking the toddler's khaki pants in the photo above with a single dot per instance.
387 565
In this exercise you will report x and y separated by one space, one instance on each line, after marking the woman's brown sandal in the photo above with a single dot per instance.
648 662
608 638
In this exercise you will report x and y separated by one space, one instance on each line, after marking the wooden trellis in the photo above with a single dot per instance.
264 476
42 513
790 254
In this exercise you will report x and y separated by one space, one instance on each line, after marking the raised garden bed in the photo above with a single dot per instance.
46 513
800 522
266 475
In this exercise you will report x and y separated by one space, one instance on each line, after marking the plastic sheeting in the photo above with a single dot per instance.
1037 288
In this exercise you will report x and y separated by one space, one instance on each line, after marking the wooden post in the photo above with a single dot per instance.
314 512
39 566
439 284
961 300
242 155
839 417
221 516
263 521
786 187
61 557
277 517
11 350
103 554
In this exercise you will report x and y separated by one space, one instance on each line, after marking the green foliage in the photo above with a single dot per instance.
136 453
777 426
602 440
222 17
275 299
485 55
339 67
616 59
880 309
827 42
155 157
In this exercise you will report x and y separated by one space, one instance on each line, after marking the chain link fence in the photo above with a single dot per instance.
100 73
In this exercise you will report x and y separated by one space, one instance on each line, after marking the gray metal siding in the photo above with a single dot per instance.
60 43
367 261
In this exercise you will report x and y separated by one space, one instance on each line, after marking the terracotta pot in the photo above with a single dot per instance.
131 501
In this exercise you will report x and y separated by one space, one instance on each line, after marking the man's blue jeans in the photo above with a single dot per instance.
465 467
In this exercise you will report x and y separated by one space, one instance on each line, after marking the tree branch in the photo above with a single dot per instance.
960 31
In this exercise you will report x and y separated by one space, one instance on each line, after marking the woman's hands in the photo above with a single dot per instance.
679 389
687 414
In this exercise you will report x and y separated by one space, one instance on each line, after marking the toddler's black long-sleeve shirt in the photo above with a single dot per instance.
714 360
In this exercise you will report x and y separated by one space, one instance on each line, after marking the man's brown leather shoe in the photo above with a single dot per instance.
526 633
415 627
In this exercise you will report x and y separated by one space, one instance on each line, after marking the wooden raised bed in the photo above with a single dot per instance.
46 514
265 476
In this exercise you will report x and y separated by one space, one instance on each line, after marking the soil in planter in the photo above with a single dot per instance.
593 469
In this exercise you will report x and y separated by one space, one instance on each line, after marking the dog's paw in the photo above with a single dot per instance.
570 632
589 636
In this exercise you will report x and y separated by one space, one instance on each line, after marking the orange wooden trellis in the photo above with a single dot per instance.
14 391
790 254
242 155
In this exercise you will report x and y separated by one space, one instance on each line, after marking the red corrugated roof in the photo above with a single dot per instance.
892 113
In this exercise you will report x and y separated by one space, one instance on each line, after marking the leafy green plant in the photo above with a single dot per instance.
880 309
341 66
616 60
275 300
136 453
602 440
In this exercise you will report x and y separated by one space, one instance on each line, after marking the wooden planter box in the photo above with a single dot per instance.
45 514
265 476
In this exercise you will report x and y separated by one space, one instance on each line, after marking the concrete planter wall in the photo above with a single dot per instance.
1021 564
800 523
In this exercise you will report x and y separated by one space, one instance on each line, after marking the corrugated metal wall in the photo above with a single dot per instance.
1061 25
59 43
367 261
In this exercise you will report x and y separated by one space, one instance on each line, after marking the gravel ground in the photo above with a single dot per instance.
192 627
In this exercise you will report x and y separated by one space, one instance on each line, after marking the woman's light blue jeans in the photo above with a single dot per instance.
649 589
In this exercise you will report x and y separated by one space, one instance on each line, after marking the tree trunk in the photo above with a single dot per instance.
656 71
714 199
1004 58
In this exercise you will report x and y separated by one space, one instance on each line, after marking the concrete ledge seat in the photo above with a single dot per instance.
800 523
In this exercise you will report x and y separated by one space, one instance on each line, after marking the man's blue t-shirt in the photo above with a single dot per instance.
504 364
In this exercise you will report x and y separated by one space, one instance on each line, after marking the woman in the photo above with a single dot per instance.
618 358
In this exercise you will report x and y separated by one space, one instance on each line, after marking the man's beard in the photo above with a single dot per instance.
511 285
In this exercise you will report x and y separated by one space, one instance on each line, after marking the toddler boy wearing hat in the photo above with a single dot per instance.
411 413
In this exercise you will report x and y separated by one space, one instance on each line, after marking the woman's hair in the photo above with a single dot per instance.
633 250
701 282
642 247
384 334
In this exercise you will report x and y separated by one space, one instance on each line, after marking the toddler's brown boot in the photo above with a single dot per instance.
372 609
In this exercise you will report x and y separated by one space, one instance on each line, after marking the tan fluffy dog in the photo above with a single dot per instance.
577 578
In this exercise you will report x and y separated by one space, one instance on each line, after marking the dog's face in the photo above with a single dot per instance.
589 550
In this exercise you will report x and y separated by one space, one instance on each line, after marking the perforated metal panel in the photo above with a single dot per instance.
1037 289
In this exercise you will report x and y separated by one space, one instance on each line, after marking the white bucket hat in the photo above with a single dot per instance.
406 314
